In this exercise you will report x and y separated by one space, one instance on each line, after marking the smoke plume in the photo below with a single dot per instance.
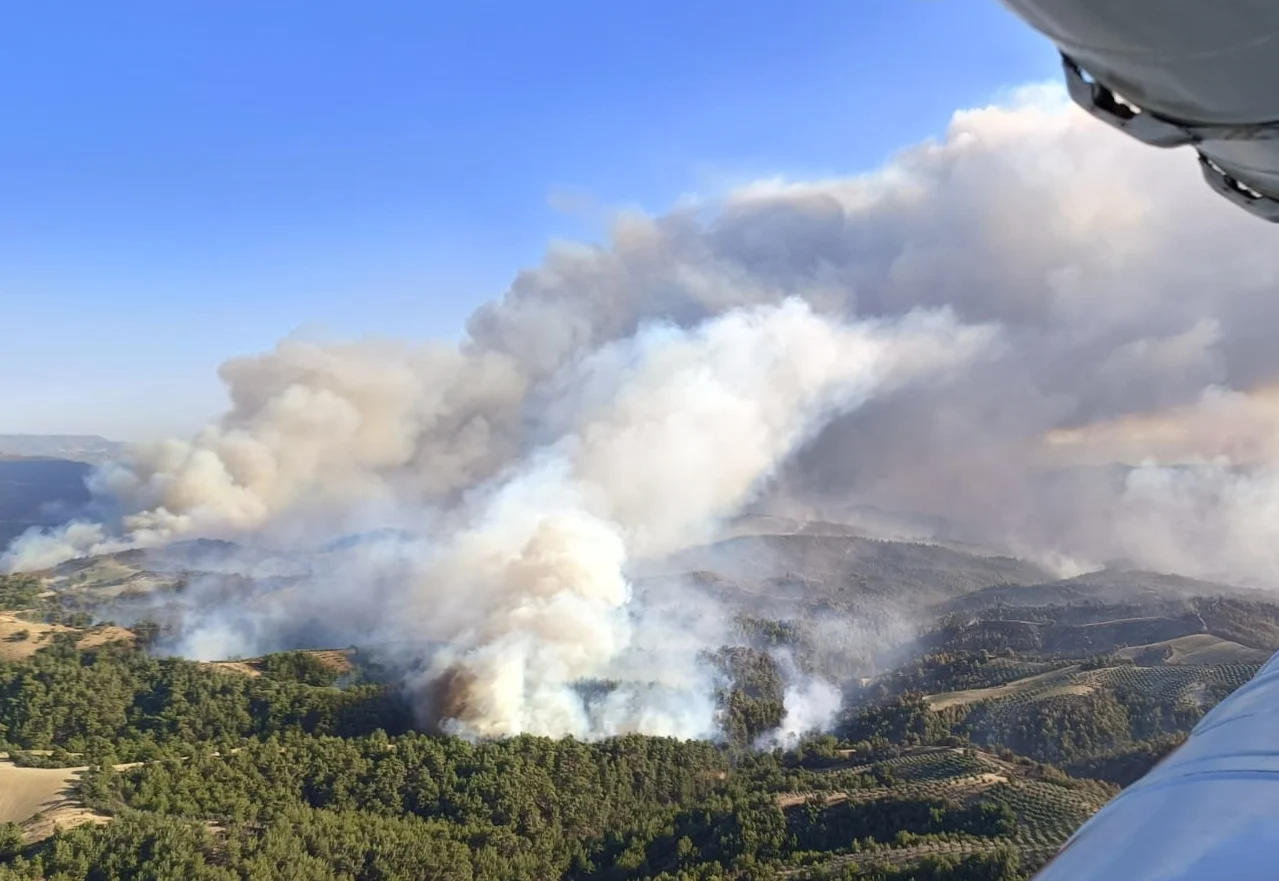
976 332
645 446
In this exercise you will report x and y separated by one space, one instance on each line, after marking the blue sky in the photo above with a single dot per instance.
180 182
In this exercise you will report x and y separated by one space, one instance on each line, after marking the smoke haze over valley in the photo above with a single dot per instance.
1011 344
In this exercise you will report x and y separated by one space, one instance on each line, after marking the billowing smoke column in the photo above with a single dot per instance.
642 446
664 436
775 343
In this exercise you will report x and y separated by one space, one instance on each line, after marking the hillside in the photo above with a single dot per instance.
1152 589
830 569
44 800
1201 648
1016 707
1096 626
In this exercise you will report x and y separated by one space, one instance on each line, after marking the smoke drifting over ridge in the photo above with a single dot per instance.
518 590
620 402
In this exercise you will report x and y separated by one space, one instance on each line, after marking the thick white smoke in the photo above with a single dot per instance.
648 444
569 434
44 549
812 705
664 437
658 439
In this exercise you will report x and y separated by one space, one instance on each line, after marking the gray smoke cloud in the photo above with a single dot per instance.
962 334
661 438
518 590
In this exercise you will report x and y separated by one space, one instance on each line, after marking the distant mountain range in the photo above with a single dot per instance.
77 447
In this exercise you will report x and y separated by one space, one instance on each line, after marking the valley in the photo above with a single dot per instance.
987 710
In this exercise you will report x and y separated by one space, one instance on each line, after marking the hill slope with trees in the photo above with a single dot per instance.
997 733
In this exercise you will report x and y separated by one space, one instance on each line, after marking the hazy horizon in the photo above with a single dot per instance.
384 171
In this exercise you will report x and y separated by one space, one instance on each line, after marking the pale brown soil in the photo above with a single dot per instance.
103 635
44 800
240 668
338 660
1201 648
972 695
12 649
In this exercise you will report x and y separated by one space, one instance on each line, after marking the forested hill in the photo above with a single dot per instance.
269 777
790 571
973 760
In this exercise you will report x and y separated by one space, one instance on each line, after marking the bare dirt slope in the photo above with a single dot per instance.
28 791
1199 648
106 576
338 660
241 668
972 695
21 639
104 634
42 800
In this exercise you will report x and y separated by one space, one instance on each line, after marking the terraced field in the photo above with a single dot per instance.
940 765
888 855
1002 671
1179 683
1039 685
1173 683
1046 812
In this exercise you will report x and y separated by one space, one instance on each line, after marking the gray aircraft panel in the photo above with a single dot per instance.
1202 73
